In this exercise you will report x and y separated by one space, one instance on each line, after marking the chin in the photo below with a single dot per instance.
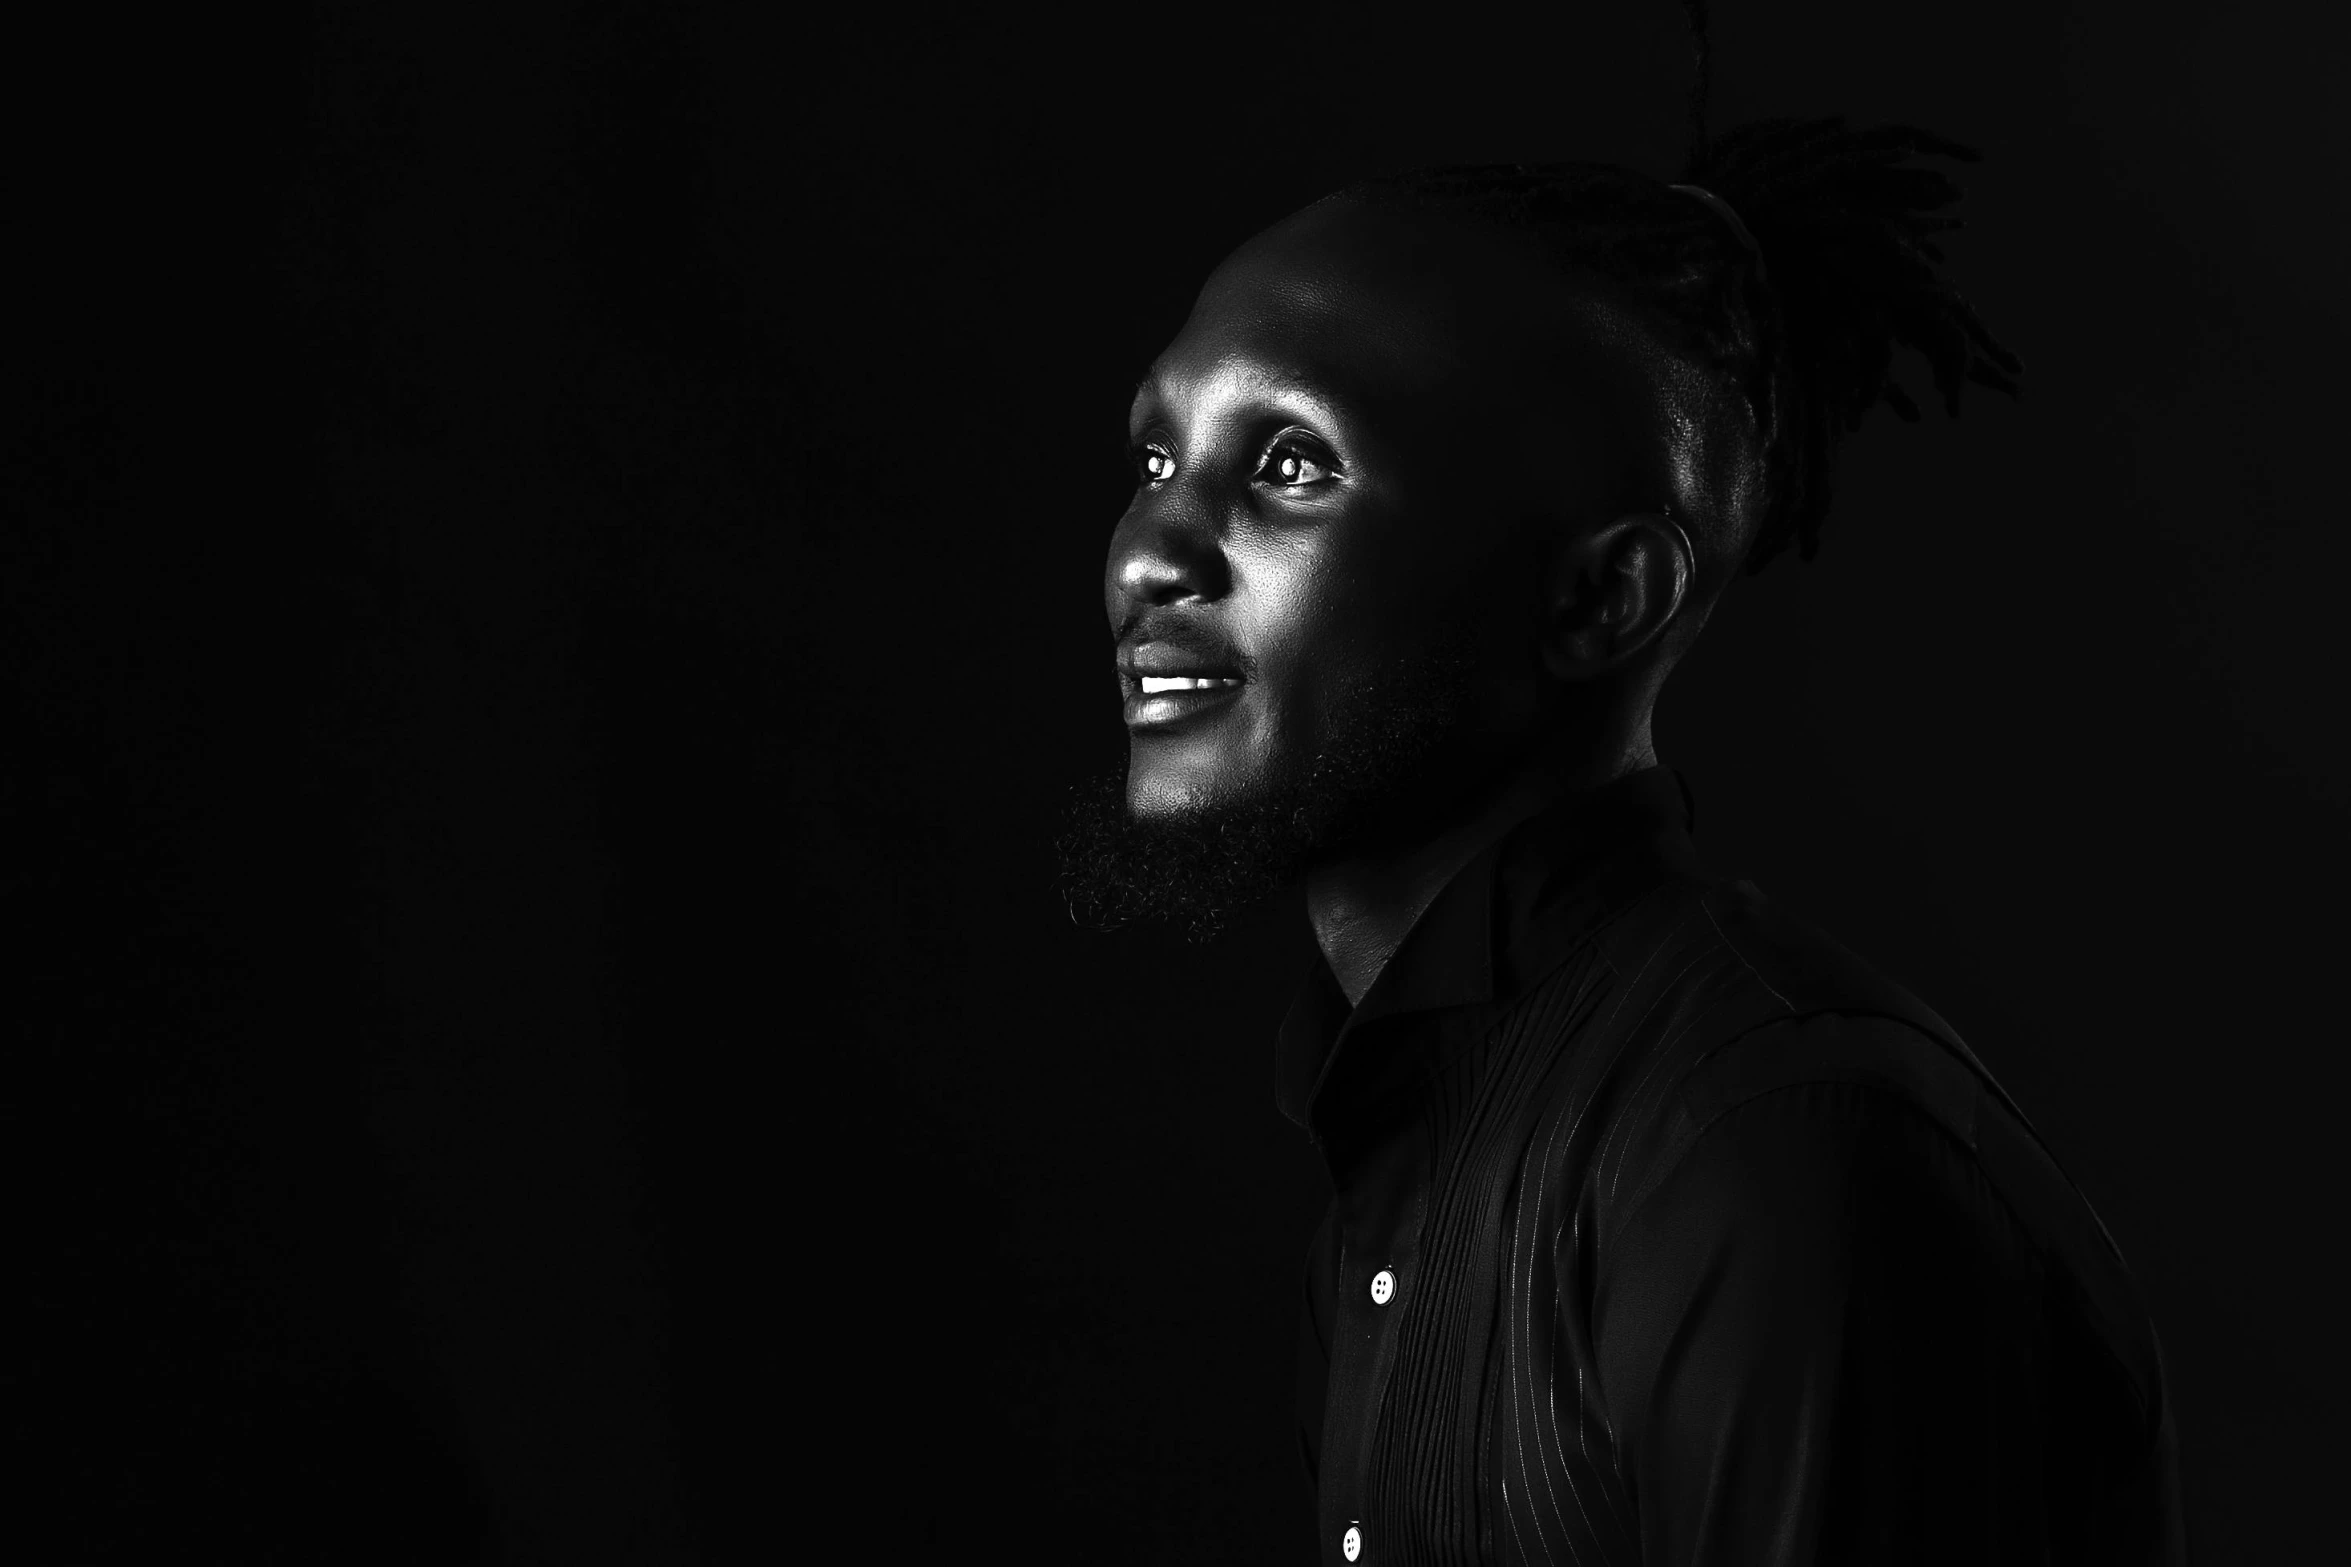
1161 787
1218 762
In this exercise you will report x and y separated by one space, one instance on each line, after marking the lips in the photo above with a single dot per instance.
1168 685
1167 704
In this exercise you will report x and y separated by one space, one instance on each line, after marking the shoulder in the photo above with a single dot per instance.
1829 1091
1741 996
1717 995
1802 968
1831 1018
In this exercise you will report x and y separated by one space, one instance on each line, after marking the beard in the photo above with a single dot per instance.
1199 867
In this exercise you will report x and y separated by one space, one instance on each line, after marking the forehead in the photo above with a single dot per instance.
1386 308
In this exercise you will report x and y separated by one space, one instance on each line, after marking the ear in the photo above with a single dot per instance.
1612 592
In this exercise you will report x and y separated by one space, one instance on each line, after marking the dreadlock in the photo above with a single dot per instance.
1803 313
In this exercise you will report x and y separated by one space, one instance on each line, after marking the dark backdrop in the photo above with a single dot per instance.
548 604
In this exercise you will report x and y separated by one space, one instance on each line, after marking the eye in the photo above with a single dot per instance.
1154 463
1295 464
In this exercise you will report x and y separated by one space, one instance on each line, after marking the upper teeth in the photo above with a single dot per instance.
1154 684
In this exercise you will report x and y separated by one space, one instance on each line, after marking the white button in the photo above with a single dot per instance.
1383 1290
1351 1543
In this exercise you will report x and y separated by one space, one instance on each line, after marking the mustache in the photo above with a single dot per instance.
1187 635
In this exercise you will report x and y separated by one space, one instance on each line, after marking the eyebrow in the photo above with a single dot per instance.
1274 382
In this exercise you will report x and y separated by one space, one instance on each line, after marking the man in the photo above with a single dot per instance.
1665 1231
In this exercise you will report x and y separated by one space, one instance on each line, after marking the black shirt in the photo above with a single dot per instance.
1667 1232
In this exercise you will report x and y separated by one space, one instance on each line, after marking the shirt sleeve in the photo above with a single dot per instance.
1819 1340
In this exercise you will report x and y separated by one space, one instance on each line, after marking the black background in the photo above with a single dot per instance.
548 606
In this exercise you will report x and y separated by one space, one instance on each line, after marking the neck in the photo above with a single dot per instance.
1363 904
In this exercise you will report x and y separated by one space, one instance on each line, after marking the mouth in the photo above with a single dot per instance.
1174 676
1166 701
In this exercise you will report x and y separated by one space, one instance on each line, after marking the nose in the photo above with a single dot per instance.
1163 554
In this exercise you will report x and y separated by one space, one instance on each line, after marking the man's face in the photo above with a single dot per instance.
1348 463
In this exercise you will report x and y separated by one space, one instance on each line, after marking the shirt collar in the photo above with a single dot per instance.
1506 918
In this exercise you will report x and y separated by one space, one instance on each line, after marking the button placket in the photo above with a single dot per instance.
1380 1183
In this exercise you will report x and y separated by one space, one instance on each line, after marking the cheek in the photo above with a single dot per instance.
1306 611
1282 611
1352 623
1285 586
1370 594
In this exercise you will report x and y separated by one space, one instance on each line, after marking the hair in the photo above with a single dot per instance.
1801 313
